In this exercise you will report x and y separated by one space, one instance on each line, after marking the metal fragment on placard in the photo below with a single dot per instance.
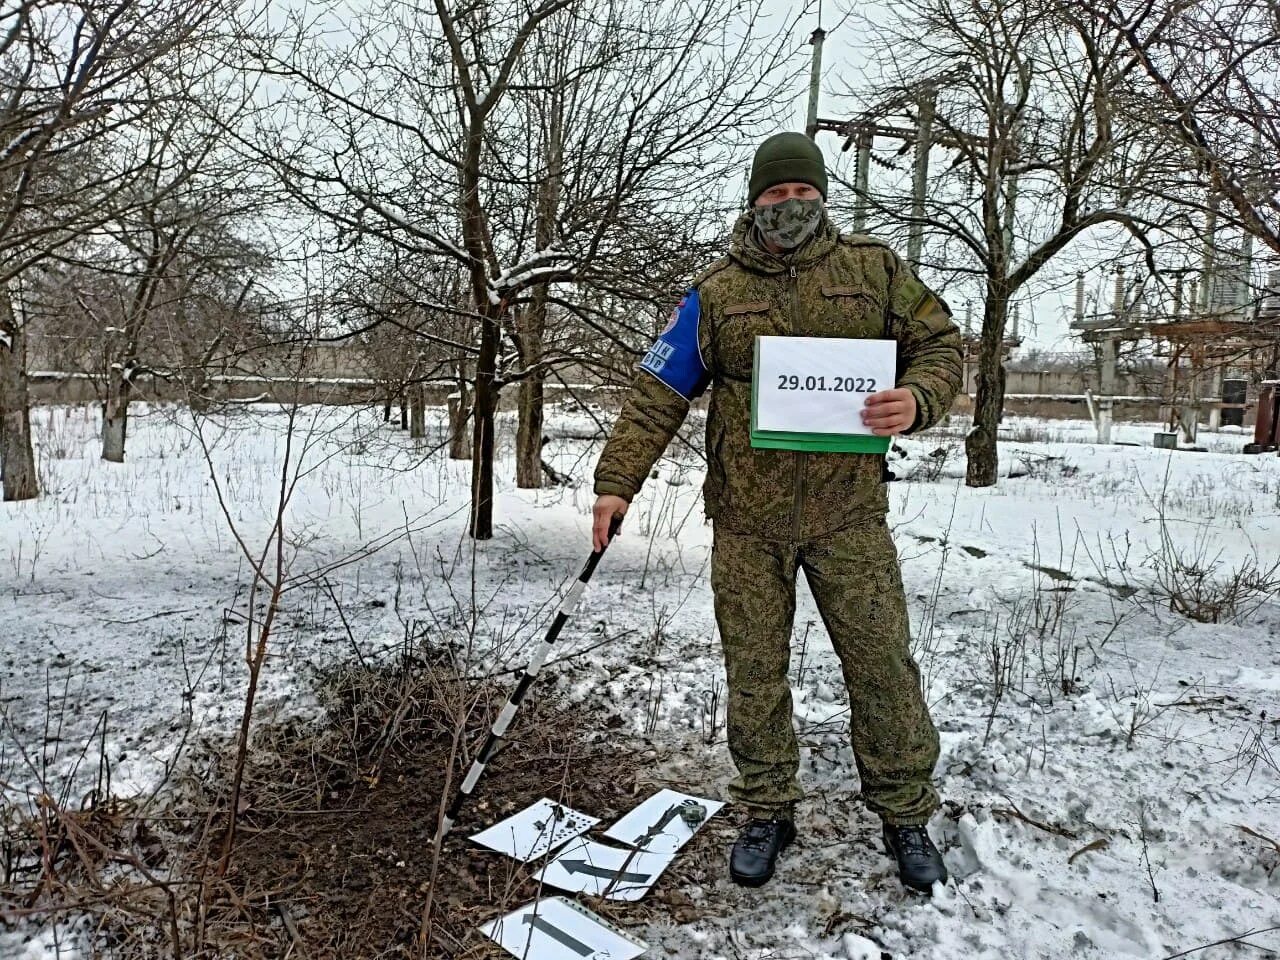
657 824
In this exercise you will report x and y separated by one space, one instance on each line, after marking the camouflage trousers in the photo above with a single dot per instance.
856 582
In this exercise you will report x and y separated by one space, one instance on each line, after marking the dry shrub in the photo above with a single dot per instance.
337 815
1197 582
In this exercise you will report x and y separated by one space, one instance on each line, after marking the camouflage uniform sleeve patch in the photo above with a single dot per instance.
928 303
914 303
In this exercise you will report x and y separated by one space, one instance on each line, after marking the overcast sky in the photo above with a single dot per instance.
1046 302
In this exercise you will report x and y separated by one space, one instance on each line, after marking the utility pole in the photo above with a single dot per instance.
1106 332
1210 251
1246 297
861 180
1110 356
920 181
815 83
862 131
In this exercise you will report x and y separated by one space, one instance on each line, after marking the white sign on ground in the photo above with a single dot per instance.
536 829
589 867
558 929
657 825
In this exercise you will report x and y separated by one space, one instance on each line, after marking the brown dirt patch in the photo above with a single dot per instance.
335 855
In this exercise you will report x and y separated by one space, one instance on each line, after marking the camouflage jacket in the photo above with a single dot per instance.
834 286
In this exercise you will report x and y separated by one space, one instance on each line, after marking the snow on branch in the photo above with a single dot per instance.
543 266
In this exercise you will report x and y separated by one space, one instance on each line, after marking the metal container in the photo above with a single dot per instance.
1166 441
1266 430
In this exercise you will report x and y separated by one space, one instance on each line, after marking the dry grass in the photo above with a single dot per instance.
336 820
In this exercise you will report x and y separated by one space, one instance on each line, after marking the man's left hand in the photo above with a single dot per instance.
890 412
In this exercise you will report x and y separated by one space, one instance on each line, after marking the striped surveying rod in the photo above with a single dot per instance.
503 722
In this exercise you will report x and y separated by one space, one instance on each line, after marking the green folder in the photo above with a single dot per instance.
809 442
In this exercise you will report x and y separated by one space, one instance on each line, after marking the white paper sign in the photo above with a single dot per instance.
656 825
536 829
557 929
820 384
602 871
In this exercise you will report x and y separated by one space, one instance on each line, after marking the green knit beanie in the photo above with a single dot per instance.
787 158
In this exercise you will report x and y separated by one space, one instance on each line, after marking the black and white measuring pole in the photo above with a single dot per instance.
503 722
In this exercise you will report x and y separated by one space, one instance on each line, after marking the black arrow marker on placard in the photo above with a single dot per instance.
581 866
558 935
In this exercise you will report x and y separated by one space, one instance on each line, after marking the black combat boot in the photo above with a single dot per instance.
756 850
919 862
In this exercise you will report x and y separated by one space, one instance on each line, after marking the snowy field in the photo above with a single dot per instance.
1109 765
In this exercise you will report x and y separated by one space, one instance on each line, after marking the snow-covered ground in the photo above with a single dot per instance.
1124 730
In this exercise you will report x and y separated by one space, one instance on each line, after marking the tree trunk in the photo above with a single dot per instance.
197 390
983 467
417 412
474 241
115 417
115 421
459 415
404 409
17 457
485 408
529 473
529 437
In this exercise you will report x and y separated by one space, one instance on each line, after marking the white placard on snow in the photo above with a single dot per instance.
602 871
820 384
557 929
536 829
656 824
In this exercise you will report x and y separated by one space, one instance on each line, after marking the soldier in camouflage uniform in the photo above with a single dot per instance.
790 272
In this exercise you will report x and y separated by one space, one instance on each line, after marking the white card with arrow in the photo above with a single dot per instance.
558 929
665 822
589 867
536 829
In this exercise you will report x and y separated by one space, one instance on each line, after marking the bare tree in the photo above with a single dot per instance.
415 328
209 319
556 57
634 188
1210 70
432 133
204 314
1032 111
178 224
72 75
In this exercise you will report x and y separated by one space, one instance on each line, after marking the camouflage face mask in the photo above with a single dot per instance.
790 223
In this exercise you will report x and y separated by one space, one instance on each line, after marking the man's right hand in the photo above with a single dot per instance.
607 507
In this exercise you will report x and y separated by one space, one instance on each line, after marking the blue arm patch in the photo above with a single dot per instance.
674 358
